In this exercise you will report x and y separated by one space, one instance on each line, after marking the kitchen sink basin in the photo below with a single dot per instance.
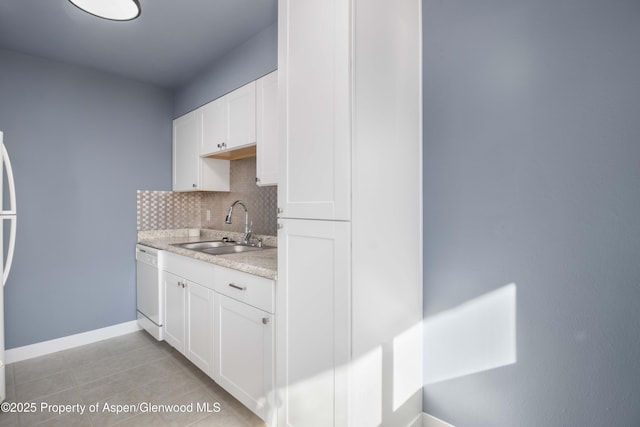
231 249
198 246
219 247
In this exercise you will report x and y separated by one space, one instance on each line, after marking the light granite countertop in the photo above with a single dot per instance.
261 263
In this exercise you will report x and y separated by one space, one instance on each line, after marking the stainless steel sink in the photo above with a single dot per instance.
219 247
198 246
233 249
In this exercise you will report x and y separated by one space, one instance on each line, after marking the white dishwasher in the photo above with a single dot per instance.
149 295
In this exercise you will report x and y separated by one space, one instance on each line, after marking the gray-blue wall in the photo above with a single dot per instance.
532 176
81 143
247 62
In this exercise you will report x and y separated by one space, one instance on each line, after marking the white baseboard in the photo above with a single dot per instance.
417 421
431 421
71 341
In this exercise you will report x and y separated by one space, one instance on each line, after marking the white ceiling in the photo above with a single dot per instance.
167 45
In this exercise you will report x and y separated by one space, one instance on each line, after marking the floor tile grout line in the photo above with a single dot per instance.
120 370
195 381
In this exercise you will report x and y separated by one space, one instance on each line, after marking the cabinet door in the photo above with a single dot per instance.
187 134
214 126
174 327
244 354
190 171
241 111
313 340
314 85
199 328
267 130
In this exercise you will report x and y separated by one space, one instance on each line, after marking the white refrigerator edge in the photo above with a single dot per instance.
5 215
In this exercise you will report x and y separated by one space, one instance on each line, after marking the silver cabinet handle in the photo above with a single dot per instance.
241 288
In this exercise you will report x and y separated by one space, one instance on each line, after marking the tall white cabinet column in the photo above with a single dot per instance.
314 83
349 292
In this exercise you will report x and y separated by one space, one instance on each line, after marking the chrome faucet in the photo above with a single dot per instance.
247 227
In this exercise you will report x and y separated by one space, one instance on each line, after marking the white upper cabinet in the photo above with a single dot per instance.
242 116
315 127
229 122
267 130
190 171
187 134
214 125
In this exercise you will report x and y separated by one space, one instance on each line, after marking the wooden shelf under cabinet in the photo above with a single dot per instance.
236 154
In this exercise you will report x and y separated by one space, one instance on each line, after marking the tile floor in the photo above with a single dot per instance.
130 369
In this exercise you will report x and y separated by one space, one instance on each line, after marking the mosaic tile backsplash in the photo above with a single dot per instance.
158 210
169 210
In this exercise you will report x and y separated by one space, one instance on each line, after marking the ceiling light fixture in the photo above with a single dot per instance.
115 10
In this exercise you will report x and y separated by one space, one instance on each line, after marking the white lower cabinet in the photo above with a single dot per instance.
189 320
313 300
244 354
199 325
174 310
222 320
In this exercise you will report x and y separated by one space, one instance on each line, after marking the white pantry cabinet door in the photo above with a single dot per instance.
187 134
313 339
244 354
199 328
315 129
267 143
174 327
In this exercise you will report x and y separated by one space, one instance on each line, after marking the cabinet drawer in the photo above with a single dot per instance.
252 290
191 269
